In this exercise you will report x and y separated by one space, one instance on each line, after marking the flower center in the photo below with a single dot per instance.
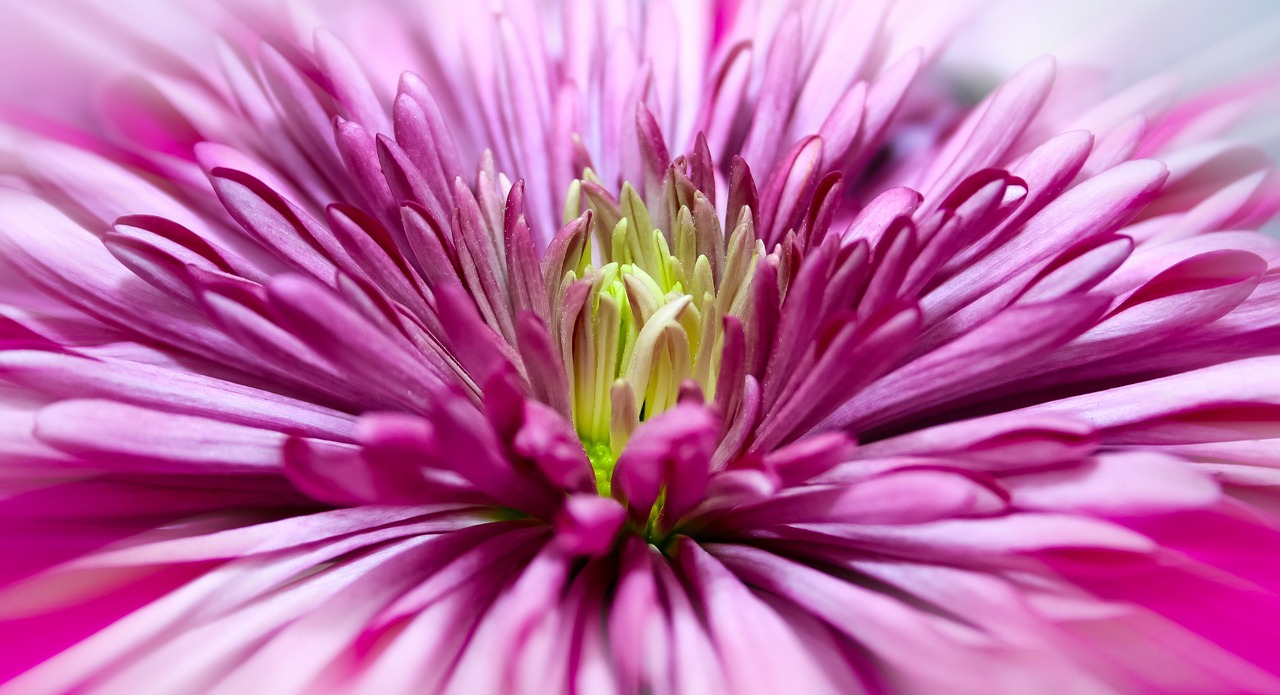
640 324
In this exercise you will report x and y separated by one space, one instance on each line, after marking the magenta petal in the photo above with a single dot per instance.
669 454
326 631
334 475
330 326
1096 207
780 83
1017 334
285 534
66 376
994 125
394 464
1124 484
1219 403
639 629
810 457
548 440
763 653
126 437
281 227
477 346
354 93
995 443
588 524
906 496
301 391
896 633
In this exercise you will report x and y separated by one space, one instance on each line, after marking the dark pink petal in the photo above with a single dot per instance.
588 524
375 255
810 457
406 181
992 128
464 556
1046 171
843 126
96 190
178 240
307 112
431 633
178 660
885 98
1079 270
906 496
482 266
467 446
798 321
995 443
1131 484
393 464
528 287
70 264
420 129
761 653
549 441
281 227
368 524
476 346
669 455
543 362
1175 302
638 627
274 351
892 257
722 100
1225 402
327 631
653 152
351 87
506 624
701 172
788 191
212 155
329 326
1096 207
359 153
857 354
742 193
1020 333
974 541
66 376
876 217
892 630
125 437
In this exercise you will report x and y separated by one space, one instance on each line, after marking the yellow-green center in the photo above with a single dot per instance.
653 318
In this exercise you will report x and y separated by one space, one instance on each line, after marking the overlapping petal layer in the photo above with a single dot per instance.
819 381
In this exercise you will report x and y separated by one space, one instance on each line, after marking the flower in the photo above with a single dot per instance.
675 347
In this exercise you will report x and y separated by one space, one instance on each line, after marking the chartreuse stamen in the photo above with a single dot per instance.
652 318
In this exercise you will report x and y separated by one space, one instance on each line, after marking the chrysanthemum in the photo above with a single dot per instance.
666 347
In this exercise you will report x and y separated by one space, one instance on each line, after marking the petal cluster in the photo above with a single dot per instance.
629 348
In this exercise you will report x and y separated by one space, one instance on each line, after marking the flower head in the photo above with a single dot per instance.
661 347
